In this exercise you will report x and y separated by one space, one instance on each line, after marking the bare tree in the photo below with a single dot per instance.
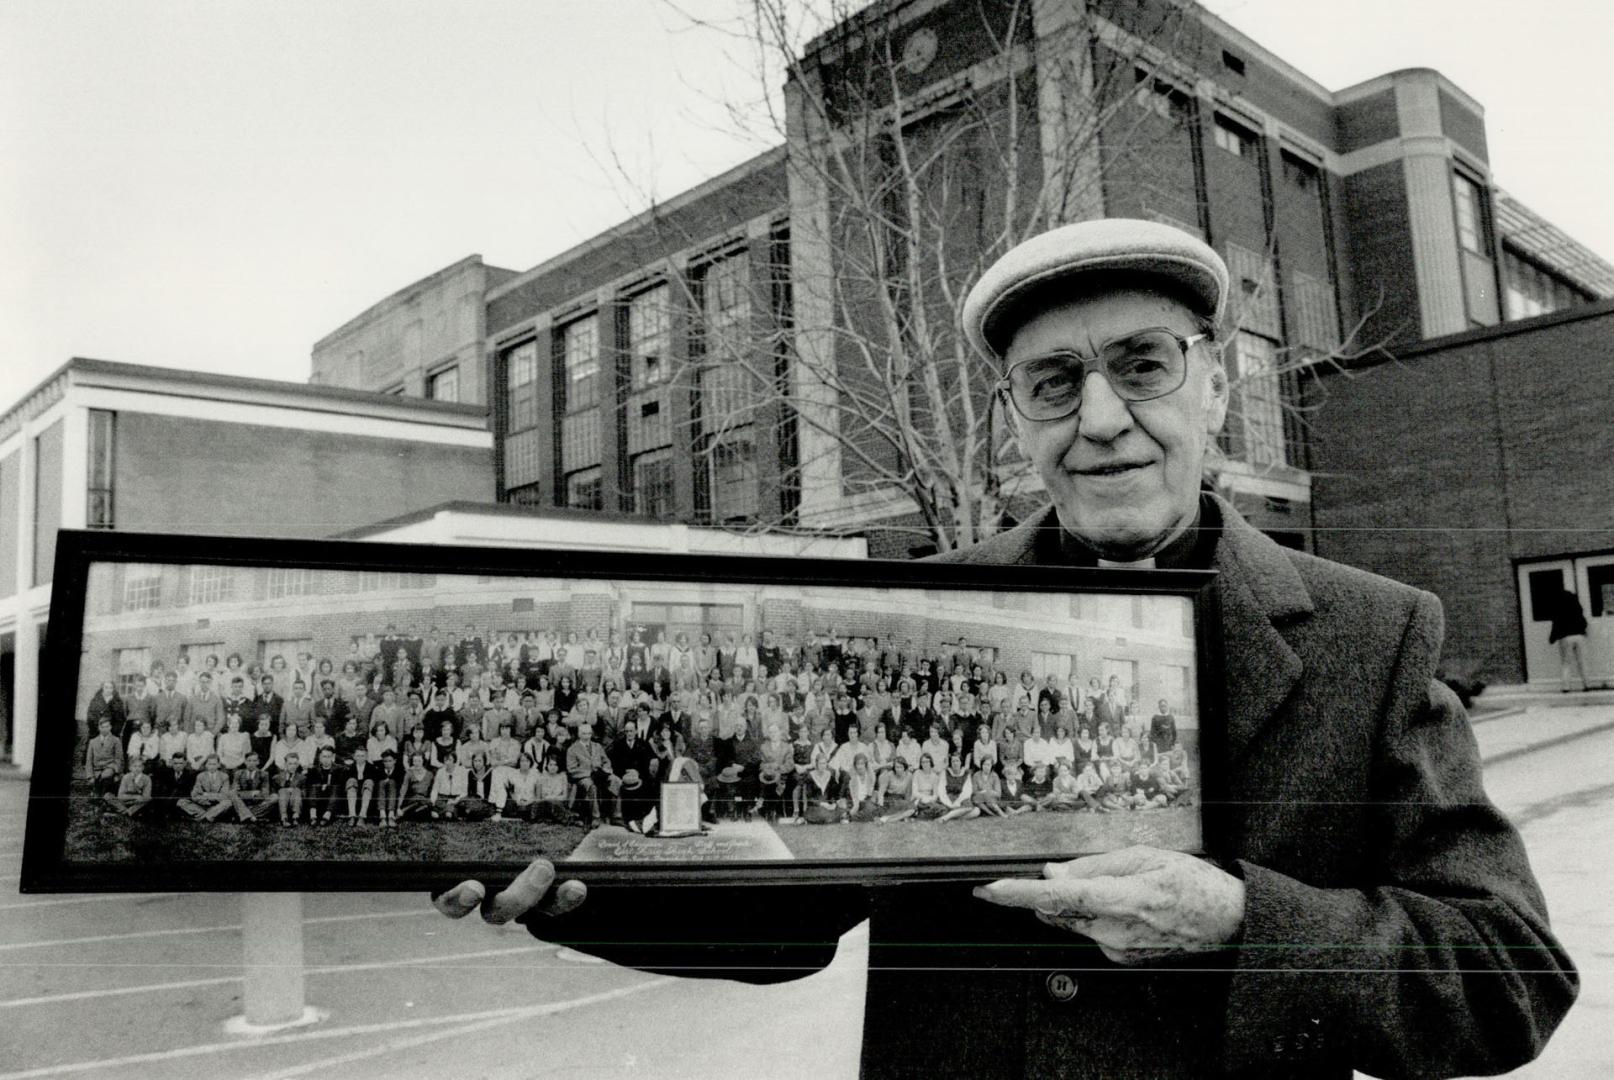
909 173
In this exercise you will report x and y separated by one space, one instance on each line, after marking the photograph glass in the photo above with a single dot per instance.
257 715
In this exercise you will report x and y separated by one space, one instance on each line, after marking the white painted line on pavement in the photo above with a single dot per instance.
177 931
131 898
333 969
472 1022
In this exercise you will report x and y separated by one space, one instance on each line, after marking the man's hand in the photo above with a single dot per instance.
530 891
1137 904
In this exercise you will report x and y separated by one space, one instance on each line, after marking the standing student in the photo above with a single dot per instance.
103 750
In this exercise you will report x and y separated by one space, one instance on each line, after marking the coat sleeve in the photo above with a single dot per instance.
1443 964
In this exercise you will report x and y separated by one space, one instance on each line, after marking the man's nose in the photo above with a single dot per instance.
1104 414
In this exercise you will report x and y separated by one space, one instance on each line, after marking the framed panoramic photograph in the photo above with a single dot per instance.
317 715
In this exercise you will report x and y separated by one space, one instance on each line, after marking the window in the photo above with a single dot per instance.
289 581
653 484
649 337
580 344
691 619
99 511
1232 62
444 385
211 584
1235 138
1532 289
269 648
521 385
733 471
142 588
1258 399
1298 172
585 489
1059 665
388 580
1472 232
1160 97
197 653
132 665
725 307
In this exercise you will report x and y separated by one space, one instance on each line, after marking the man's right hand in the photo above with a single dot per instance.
533 889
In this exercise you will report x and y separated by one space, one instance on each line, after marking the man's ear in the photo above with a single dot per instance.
1217 395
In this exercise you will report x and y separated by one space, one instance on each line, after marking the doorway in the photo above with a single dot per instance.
1591 579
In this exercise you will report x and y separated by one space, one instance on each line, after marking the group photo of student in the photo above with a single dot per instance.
581 726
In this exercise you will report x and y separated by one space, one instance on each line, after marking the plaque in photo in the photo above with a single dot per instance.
229 714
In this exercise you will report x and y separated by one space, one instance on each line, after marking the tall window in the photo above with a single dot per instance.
1235 138
733 477
289 581
99 511
1531 289
142 587
580 342
212 584
725 305
132 665
585 489
1258 398
649 336
521 384
653 484
1472 231
1474 238
444 385
521 434
1058 665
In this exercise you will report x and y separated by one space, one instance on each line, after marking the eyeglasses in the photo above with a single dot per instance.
1139 366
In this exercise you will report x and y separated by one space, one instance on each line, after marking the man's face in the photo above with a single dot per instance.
1124 476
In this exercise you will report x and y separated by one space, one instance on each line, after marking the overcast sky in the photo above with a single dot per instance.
217 183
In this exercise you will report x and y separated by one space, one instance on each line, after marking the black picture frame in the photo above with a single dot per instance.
47 867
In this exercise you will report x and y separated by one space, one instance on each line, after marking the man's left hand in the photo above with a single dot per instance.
1138 904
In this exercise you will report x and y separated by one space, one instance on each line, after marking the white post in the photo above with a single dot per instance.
272 947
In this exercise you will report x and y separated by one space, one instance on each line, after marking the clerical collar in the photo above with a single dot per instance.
1194 549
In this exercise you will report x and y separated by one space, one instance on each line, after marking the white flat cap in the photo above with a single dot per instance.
1129 246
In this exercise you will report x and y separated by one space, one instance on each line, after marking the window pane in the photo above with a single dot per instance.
653 485
211 584
444 385
649 336
1259 400
585 490
142 588
734 480
521 384
725 309
581 342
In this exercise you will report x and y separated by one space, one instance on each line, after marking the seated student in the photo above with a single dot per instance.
1173 773
416 743
984 754
134 790
1126 749
290 741
358 785
1038 750
103 784
471 741
1014 798
1144 791
1063 747
1063 794
289 790
554 794
145 744
212 796
956 790
927 788
103 750
415 797
480 802
386 779
823 798
515 791
986 792
379 740
1112 793
505 749
909 750
444 746
895 792
261 741
324 787
937 745
1040 784
172 783
774 774
1089 787
318 739
631 762
862 790
449 787
253 787
232 743
1163 729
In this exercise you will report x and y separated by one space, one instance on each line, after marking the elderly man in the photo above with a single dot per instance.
1367 907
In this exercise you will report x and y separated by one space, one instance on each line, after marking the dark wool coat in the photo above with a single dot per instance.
1392 922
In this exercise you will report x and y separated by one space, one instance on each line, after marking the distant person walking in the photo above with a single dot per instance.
1569 634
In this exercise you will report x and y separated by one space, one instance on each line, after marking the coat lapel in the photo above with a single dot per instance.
1256 587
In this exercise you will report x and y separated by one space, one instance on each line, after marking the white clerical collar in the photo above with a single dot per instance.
1141 564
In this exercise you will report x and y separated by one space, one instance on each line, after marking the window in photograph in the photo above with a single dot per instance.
288 648
1298 172
132 666
585 489
580 346
444 385
691 619
1059 665
649 336
142 588
521 385
1235 138
653 484
725 307
197 653
212 584
98 514
386 581
289 581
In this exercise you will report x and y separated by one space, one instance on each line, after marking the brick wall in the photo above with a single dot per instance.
1470 452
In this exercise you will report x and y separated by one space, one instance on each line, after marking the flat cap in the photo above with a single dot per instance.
1128 246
